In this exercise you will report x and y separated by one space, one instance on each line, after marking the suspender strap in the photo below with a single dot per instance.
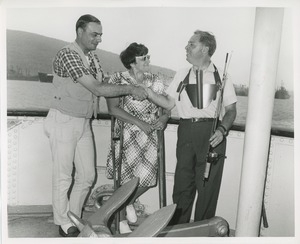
186 79
217 78
185 82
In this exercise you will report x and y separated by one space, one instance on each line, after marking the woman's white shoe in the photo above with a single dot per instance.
124 227
131 214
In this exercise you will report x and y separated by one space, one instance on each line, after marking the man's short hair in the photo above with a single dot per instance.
84 20
208 39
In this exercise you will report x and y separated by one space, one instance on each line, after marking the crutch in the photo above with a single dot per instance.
117 165
161 166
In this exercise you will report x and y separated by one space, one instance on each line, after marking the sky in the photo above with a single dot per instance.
165 30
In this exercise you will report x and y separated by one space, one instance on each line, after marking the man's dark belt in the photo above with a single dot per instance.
198 120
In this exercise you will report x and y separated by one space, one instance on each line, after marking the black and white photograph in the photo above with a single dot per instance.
125 120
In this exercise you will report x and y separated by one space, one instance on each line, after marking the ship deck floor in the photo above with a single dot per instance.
40 225
33 223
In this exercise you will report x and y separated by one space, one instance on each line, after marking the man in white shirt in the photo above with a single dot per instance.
196 134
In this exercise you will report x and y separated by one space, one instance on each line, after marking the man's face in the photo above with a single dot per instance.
194 50
90 37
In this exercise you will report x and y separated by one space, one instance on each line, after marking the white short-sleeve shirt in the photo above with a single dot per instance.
184 106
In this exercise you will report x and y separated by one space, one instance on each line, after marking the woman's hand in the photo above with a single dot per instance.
161 122
147 128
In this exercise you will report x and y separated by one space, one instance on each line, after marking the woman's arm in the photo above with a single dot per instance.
166 102
121 114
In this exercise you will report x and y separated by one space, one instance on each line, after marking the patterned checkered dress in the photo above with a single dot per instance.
139 157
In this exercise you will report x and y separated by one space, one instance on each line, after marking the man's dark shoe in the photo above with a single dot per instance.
72 232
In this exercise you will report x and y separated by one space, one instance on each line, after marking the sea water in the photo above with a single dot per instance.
35 95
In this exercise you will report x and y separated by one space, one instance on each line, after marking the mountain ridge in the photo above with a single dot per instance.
29 53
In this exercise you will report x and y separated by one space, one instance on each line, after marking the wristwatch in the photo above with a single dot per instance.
223 130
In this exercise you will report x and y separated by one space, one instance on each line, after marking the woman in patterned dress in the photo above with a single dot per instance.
140 125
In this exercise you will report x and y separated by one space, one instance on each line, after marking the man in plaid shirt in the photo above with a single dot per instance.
78 85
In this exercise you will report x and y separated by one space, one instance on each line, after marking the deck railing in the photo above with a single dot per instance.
237 127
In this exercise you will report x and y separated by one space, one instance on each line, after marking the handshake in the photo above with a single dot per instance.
141 92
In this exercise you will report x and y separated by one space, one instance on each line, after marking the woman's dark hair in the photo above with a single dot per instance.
133 50
85 19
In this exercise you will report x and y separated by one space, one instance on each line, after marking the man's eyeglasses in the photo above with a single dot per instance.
143 58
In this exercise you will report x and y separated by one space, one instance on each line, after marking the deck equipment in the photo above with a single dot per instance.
154 225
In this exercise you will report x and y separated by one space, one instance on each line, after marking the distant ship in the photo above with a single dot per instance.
241 90
44 77
282 93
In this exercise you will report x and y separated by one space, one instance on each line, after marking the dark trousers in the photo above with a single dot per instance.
191 151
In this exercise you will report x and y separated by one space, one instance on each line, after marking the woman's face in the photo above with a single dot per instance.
142 63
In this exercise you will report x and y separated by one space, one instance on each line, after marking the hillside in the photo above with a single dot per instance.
28 54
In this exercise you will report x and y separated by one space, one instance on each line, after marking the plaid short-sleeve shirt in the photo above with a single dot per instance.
68 63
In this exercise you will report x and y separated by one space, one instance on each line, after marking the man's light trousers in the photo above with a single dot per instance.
71 141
